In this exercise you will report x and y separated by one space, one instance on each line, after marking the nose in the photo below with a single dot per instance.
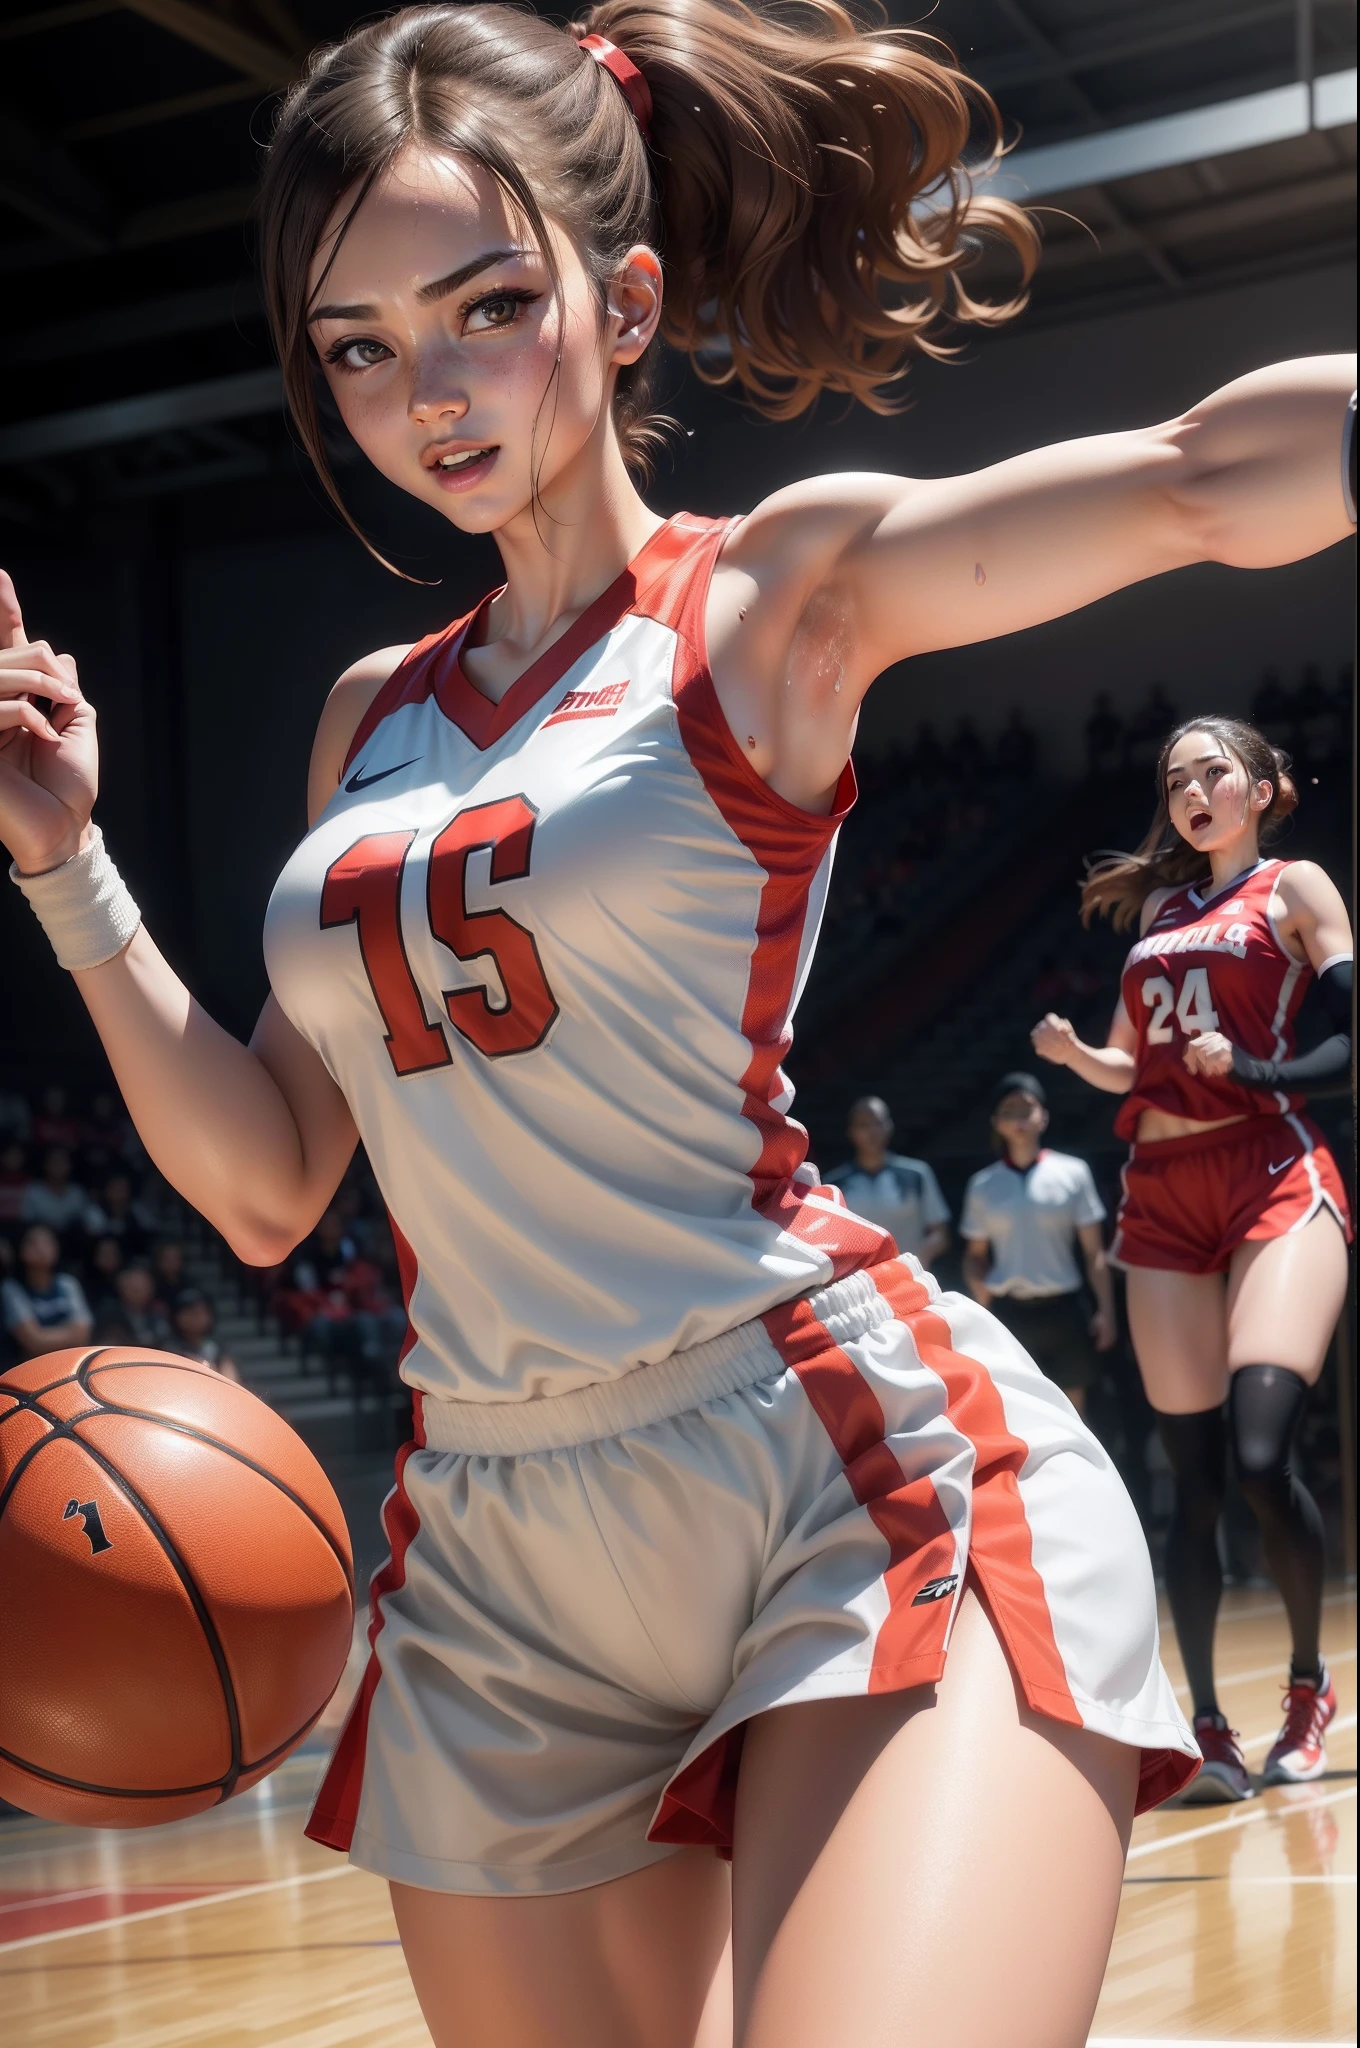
435 397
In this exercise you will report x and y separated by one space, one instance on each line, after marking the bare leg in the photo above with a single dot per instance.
639 1963
1177 1322
938 1868
1284 1296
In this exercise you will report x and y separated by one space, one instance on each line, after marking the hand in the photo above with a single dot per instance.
49 767
1210 1054
1104 1332
1054 1039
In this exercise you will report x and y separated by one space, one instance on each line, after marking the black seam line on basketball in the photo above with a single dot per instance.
264 1763
201 1436
29 1397
64 1430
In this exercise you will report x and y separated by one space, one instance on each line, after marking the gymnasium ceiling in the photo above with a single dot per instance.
133 360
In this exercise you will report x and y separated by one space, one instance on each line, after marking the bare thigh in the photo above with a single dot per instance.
939 1868
642 1962
1284 1296
1179 1326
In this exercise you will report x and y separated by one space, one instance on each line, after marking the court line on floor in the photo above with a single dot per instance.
1275 1607
247 1891
1239 1819
1333 1657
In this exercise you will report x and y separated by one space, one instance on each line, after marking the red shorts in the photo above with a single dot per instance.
1189 1202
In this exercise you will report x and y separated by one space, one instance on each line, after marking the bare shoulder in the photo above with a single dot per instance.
1309 892
1151 908
349 699
806 526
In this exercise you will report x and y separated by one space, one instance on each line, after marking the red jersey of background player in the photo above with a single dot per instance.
1211 963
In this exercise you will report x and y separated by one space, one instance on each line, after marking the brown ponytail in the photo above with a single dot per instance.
789 149
1118 884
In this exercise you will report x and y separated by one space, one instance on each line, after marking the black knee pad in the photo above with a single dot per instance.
1265 1407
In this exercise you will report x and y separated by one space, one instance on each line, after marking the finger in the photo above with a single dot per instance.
36 654
21 716
11 618
19 682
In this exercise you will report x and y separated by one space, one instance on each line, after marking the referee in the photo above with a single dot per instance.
1023 1221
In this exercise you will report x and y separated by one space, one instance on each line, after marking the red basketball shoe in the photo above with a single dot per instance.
1225 1778
1299 1752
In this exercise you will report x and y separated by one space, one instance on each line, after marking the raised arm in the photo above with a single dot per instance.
256 1137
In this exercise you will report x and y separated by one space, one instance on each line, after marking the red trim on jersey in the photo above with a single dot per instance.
790 845
336 1807
411 682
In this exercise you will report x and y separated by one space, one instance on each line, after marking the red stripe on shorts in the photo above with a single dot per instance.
1000 1547
336 1808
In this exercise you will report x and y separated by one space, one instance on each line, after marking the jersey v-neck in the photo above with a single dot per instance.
484 721
1205 902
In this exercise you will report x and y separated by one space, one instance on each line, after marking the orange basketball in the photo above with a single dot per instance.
176 1588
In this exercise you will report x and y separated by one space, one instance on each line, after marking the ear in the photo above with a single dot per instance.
1261 795
633 303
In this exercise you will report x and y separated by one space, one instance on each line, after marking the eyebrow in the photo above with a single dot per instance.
426 293
1199 761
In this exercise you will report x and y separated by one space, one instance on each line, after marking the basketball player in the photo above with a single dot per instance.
705 1482
1234 1220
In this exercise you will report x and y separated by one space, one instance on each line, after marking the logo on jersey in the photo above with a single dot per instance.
1273 1170
358 780
936 1589
601 703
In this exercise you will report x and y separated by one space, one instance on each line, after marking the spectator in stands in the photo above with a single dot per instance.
56 1122
14 1178
1023 1220
118 1214
193 1320
1104 737
901 1195
104 1263
967 757
56 1199
1017 747
145 1315
16 1124
169 1268
44 1308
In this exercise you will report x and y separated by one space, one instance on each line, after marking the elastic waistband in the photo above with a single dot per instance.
1244 1131
649 1393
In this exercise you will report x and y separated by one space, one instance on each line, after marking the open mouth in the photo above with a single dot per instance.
463 466
1199 819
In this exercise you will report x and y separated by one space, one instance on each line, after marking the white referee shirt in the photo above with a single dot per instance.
1030 1218
903 1198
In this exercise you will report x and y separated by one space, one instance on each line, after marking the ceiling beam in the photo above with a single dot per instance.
233 46
1166 29
40 181
123 120
249 395
49 18
1201 223
211 307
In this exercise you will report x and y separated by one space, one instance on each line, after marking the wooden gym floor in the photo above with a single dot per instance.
232 1931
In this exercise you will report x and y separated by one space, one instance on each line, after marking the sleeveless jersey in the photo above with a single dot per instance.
1211 963
549 949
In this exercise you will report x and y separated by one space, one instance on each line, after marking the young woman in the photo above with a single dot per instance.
705 1480
1234 1221
1024 1220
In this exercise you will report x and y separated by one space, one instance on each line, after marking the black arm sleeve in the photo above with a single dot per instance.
1317 1071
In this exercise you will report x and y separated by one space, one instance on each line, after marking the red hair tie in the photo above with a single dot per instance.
626 74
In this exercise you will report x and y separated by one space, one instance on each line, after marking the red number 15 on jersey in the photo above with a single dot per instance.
363 888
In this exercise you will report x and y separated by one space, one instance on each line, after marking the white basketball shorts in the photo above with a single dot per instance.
589 1596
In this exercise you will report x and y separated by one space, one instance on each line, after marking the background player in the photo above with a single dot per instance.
1234 1220
1023 1220
602 1199
900 1195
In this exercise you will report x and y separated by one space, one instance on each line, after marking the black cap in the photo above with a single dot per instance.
1016 1084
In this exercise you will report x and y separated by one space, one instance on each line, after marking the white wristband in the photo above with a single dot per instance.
84 906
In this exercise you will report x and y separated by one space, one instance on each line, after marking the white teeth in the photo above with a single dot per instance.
463 458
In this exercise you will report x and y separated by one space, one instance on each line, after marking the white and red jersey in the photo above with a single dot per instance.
550 949
1211 963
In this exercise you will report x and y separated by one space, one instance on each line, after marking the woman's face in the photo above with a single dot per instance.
439 332
1210 797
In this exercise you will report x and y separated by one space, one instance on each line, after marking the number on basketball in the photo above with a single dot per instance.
363 888
1194 1009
